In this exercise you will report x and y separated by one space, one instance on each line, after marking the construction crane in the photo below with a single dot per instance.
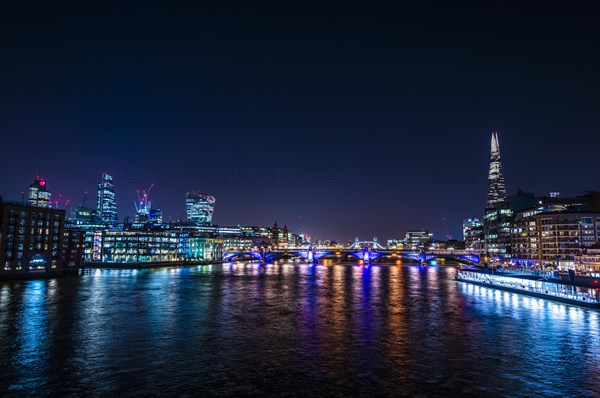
448 237
57 201
145 204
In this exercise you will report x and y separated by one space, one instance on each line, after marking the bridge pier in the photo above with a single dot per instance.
310 256
262 256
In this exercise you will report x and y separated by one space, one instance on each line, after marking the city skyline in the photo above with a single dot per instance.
376 132
201 213
300 198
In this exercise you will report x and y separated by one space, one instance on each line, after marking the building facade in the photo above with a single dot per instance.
546 237
496 229
73 247
417 240
498 222
81 216
155 216
199 208
469 223
496 186
395 244
34 242
474 239
548 231
38 193
283 238
138 246
106 203
235 244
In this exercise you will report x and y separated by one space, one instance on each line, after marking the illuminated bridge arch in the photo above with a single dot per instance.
233 256
367 255
426 257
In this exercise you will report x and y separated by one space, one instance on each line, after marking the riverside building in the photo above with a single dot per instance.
34 242
139 246
555 232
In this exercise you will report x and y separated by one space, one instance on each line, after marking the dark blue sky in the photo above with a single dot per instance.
339 118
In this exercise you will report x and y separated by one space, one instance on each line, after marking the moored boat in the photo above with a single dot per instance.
544 285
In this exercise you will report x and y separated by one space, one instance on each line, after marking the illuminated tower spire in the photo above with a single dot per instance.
496 187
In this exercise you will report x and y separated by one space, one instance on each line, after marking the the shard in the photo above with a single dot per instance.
496 187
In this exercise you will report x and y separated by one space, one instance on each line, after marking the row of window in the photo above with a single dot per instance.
39 238
19 255
23 214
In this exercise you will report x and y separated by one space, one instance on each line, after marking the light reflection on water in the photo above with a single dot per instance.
290 329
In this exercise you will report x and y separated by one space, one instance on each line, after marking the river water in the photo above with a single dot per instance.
290 329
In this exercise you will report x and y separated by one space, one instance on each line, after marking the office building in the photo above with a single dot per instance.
496 186
474 239
417 240
138 246
82 216
199 208
106 204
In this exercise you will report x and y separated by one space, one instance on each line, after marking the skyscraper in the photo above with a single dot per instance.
496 187
38 195
106 205
199 207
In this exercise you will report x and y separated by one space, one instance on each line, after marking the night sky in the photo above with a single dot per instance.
337 118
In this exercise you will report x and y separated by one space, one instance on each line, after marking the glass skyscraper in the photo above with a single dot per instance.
496 188
199 208
106 205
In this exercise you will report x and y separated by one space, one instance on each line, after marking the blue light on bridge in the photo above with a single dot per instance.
366 255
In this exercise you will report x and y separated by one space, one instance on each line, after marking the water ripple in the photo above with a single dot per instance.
290 329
